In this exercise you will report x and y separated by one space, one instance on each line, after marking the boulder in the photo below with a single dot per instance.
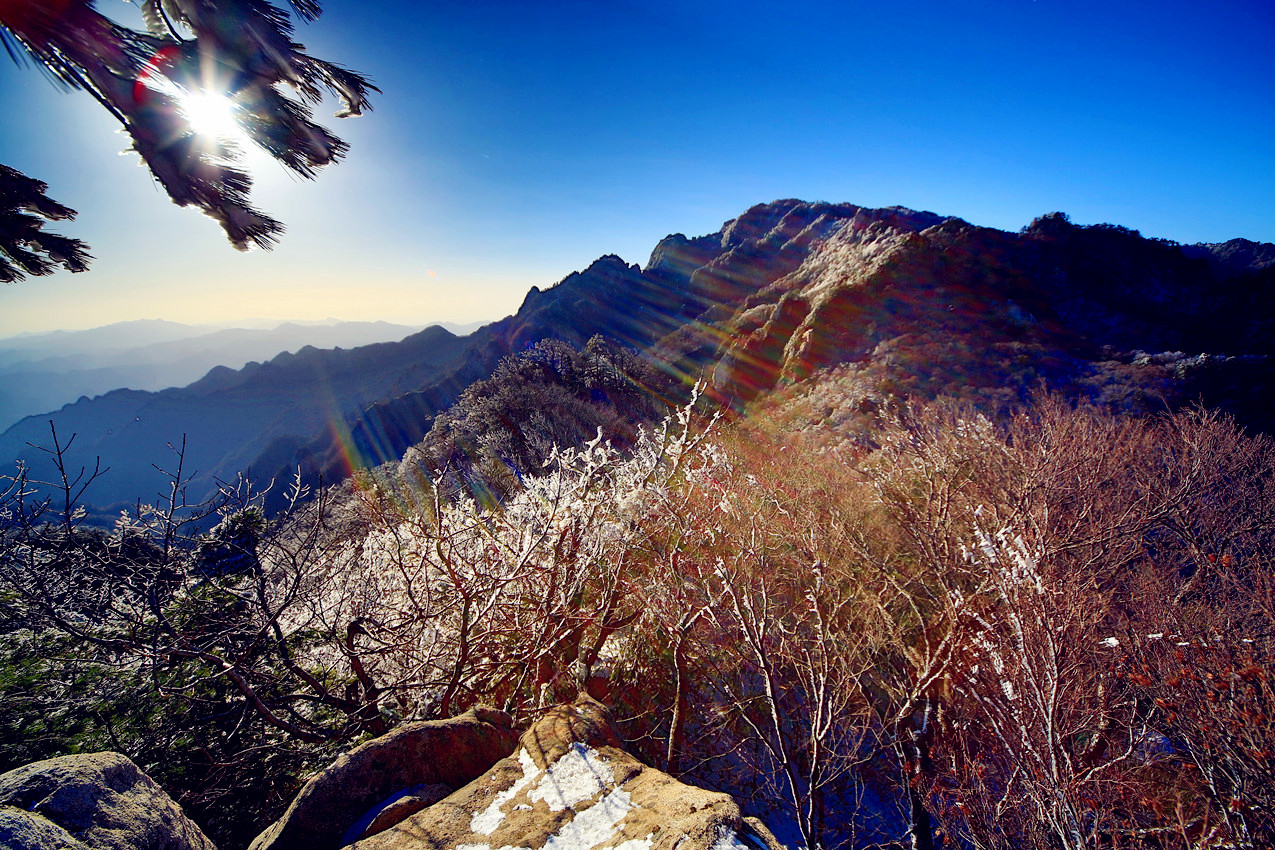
94 800
21 830
571 787
372 778
396 809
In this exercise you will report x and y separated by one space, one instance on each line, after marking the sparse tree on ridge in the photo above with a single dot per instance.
231 55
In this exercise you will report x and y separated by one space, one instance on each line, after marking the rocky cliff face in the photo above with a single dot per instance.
923 306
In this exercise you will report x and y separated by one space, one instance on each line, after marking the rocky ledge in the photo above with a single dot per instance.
467 783
569 786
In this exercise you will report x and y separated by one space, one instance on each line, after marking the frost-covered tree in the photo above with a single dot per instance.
504 428
26 248
196 57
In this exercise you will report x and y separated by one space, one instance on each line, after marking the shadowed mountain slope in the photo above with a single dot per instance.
951 308
920 304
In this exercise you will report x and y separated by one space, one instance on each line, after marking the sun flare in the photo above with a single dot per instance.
211 114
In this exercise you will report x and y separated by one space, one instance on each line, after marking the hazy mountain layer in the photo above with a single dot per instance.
43 372
113 337
227 417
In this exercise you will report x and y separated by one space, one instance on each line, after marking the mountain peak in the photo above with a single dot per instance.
757 221
1235 256
788 287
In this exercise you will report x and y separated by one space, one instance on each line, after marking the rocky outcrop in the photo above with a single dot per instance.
100 801
392 774
918 305
1235 256
570 785
469 782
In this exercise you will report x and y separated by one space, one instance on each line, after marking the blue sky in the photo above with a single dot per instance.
515 142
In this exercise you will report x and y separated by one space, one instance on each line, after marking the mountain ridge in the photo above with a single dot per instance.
223 415
918 302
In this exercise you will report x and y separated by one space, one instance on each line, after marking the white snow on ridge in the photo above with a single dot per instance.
486 821
595 825
577 776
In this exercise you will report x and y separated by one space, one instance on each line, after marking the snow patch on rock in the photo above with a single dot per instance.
728 840
595 825
579 775
486 821
635 844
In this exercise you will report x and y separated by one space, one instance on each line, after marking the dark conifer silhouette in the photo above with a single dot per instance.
241 50
26 248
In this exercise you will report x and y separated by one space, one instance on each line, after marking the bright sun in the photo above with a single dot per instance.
211 114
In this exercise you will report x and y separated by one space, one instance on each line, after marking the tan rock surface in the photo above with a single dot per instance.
570 787
448 752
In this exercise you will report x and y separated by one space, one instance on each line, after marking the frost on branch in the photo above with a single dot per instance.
1034 684
443 599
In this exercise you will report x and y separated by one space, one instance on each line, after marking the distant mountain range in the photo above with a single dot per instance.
912 303
227 417
42 372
